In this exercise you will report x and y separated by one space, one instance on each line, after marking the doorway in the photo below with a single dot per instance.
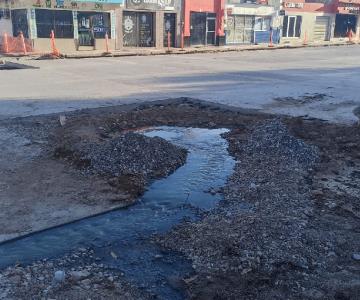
202 29
138 29
344 23
170 27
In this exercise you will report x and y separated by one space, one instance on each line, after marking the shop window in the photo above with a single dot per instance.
95 22
262 24
61 21
20 22
4 13
292 26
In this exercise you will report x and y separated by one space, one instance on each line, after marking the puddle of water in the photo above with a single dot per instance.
127 232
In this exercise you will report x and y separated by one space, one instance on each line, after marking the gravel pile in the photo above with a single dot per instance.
273 139
257 234
82 277
133 153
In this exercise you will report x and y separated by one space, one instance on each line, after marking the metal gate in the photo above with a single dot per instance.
202 30
169 26
138 29
240 29
321 30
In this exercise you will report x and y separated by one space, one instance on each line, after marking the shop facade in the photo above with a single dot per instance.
250 23
347 20
150 23
305 21
76 25
204 22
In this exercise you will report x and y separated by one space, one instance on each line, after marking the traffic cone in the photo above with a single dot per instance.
23 45
305 39
107 43
271 45
6 43
54 50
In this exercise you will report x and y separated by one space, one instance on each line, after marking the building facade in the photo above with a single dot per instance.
314 21
76 24
251 22
204 22
150 23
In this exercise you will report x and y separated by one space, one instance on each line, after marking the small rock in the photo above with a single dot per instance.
59 276
356 256
79 275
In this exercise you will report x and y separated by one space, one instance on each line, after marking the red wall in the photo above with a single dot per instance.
211 6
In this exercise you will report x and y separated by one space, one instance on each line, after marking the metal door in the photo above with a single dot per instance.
169 26
130 29
230 30
197 28
321 30
210 30
240 29
138 29
146 28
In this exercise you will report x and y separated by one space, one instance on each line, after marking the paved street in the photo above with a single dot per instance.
252 79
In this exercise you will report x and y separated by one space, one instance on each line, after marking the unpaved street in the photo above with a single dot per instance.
320 82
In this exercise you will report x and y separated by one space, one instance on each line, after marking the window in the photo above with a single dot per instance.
292 26
262 24
61 21
20 22
97 22
4 13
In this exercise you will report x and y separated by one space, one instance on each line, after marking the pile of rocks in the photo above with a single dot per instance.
257 235
75 276
133 153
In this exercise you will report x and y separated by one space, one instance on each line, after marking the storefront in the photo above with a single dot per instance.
306 21
204 22
347 19
249 24
151 23
76 25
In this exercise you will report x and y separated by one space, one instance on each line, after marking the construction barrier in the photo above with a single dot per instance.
15 45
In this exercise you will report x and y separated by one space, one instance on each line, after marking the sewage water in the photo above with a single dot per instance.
127 232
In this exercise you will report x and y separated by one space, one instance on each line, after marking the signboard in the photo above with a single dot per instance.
102 1
151 4
294 5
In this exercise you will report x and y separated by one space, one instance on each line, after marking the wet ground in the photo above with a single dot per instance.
287 226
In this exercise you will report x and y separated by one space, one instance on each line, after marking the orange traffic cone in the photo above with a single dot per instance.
305 39
271 45
54 50
23 45
6 43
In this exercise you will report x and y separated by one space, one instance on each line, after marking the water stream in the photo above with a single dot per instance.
127 232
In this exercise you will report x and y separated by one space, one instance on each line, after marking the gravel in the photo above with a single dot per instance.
84 278
133 153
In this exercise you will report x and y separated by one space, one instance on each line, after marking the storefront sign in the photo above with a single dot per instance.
352 9
151 4
293 5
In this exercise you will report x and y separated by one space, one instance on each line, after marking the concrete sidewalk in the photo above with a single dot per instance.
192 50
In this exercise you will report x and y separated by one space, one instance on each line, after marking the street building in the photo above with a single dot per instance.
150 23
204 22
76 24
251 22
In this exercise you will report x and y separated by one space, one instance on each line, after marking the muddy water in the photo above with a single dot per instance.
122 238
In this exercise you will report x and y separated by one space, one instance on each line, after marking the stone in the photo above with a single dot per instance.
79 275
59 276
356 256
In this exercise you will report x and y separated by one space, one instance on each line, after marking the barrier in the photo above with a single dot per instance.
271 44
107 43
168 40
54 50
305 39
18 45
